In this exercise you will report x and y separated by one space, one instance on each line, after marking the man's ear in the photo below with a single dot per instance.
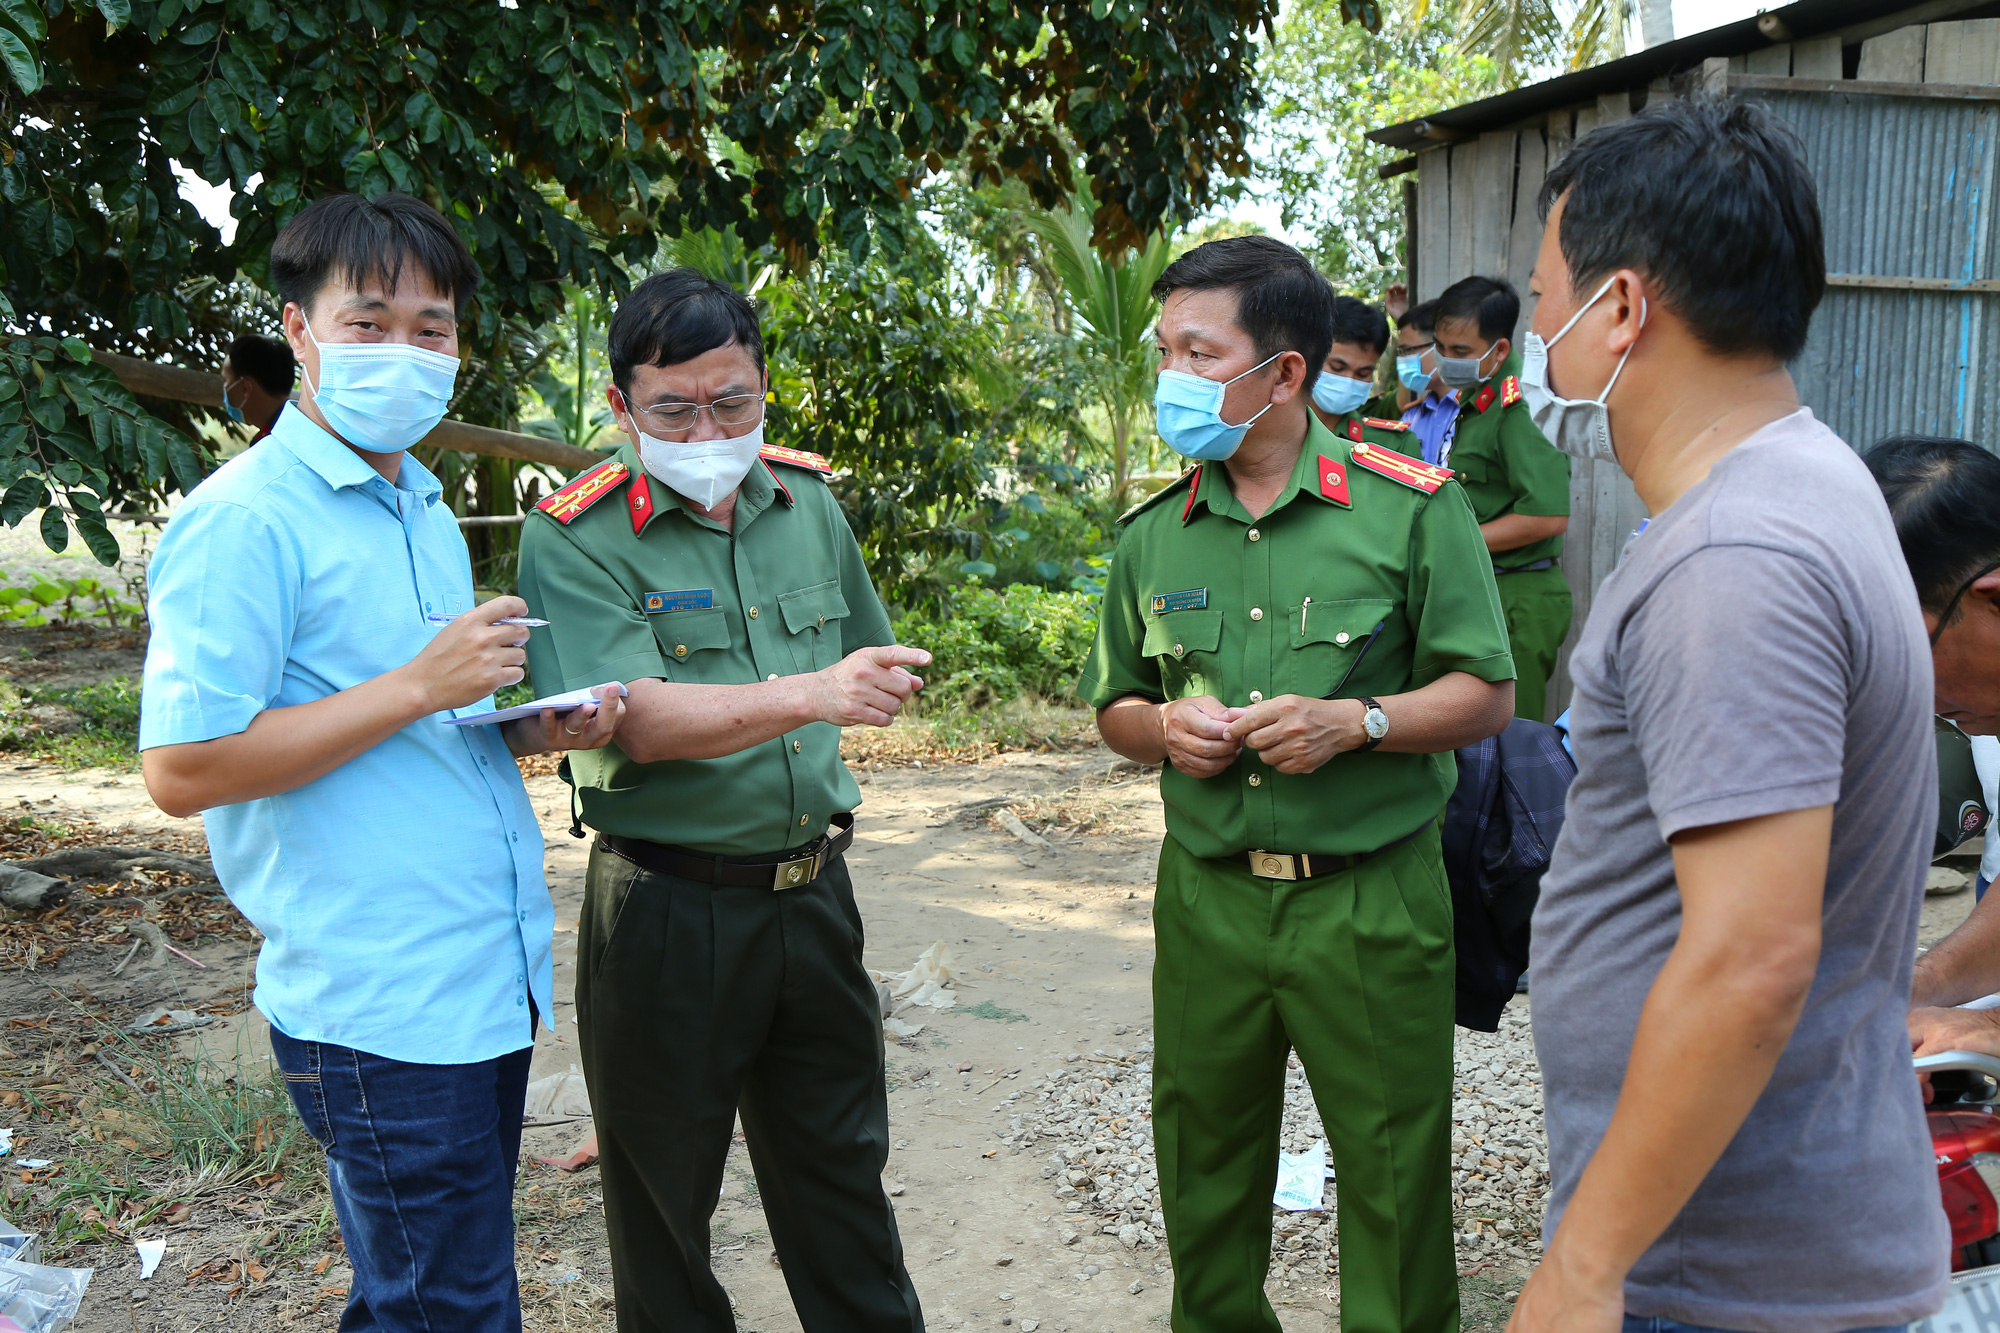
1500 350
620 414
1291 378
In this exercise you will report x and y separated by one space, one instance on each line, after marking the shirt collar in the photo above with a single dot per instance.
753 496
341 467
1210 486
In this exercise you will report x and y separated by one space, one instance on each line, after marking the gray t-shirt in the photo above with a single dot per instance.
1758 650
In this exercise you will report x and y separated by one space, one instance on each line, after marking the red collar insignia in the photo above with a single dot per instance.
1333 482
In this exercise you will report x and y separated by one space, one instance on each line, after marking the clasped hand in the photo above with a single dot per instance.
1291 733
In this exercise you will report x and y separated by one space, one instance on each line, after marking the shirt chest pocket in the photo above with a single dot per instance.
1327 639
812 618
1184 646
685 635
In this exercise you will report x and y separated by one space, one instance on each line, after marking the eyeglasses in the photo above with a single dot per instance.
673 418
1414 349
1951 607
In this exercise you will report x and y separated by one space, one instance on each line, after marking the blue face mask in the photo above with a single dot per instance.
1411 374
1188 411
382 397
1337 395
229 407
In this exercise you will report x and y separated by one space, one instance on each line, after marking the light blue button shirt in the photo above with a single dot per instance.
401 896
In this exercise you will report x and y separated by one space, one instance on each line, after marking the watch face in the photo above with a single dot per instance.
1376 723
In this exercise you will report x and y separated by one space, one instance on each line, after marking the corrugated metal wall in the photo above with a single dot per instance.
1907 193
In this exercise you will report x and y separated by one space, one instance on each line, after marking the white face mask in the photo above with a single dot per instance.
1580 427
704 471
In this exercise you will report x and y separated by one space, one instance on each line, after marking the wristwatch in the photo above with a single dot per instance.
1373 721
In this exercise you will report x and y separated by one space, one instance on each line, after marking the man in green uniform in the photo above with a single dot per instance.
1302 628
1517 481
719 956
1341 393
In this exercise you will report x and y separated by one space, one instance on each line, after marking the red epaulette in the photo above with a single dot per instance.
585 491
1510 391
1412 472
1484 400
1383 423
777 453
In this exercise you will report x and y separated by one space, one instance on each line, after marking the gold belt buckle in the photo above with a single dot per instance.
1274 865
796 874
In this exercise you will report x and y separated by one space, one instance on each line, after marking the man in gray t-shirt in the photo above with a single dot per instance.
1724 941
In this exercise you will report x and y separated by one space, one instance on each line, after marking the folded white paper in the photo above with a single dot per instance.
562 703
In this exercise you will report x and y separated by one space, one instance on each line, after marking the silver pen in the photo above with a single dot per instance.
527 622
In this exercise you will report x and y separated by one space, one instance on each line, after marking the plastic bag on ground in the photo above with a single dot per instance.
38 1297
18 1244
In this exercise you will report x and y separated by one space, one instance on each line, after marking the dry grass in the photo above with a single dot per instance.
1102 803
957 735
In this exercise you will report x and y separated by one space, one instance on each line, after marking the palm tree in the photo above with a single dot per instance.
1518 32
1110 305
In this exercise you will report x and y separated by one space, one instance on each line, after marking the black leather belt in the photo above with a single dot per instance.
1525 569
1313 865
791 869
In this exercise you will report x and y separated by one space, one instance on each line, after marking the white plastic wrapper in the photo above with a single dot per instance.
41 1298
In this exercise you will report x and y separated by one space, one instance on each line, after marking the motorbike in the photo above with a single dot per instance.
1965 1140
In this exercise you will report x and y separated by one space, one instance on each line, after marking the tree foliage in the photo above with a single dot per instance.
564 138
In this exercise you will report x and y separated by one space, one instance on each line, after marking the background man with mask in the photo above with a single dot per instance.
257 378
1517 483
1724 940
1303 628
719 957
312 620
1340 394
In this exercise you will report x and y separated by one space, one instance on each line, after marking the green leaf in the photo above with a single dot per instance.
1033 503
117 13
24 64
202 129
23 498
78 350
98 538
55 529
25 17
985 568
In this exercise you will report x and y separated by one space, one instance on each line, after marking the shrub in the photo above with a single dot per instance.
993 644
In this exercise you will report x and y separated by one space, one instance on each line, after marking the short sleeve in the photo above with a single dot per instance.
1737 651
596 631
222 594
1453 605
1116 667
1537 469
867 624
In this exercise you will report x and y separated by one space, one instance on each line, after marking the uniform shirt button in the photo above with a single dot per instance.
753 613
1254 534
1256 613
1256 780
1340 637
772 676
1256 696
1178 650
680 650
803 819
797 746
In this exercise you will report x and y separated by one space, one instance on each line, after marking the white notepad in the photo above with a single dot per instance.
562 703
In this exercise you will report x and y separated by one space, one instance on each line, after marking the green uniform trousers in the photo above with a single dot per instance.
1538 608
1354 971
698 1003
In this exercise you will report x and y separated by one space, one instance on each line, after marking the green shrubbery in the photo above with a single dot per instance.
993 644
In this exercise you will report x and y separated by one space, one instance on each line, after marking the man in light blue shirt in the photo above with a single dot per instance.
313 628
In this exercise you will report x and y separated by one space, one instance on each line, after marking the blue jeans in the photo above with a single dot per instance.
1657 1323
421 1160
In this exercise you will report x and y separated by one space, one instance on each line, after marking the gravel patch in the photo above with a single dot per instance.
1091 1119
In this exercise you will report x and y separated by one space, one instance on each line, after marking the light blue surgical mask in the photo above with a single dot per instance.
1188 411
382 397
1410 373
1337 395
229 407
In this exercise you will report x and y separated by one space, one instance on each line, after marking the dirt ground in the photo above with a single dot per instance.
1054 940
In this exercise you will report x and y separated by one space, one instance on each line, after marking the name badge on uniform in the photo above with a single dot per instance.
1194 599
692 599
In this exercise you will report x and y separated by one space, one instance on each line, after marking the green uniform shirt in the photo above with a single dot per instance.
1204 600
636 585
1507 466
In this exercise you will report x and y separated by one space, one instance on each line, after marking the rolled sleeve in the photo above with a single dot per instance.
222 600
1116 667
1538 470
596 632
1453 605
1739 650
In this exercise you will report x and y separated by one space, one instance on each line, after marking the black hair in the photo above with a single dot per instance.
1712 201
675 316
1281 300
1422 317
1358 322
265 360
1944 497
361 241
1490 302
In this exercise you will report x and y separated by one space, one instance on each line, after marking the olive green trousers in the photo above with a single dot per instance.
1537 605
1354 972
